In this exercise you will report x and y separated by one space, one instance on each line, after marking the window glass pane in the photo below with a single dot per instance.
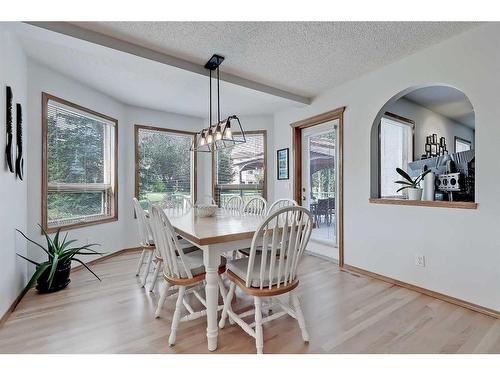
322 165
165 166
75 147
322 180
80 163
64 206
396 151
462 145
241 169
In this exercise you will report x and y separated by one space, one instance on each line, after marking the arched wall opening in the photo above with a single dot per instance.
423 127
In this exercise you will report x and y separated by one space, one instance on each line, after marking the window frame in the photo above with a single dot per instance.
236 187
45 183
405 121
194 159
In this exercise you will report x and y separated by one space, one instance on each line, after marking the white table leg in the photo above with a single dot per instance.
211 260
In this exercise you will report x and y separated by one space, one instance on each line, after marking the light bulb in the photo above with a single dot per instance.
228 133
202 141
218 133
209 138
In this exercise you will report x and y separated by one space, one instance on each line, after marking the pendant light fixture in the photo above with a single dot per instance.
220 134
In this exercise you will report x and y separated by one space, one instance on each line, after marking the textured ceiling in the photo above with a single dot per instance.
136 81
304 58
446 101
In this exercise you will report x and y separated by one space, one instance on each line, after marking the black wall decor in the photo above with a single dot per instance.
19 142
433 147
8 126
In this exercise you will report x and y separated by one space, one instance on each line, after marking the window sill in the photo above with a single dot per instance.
406 202
67 227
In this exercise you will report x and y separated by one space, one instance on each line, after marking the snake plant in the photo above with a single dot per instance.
58 252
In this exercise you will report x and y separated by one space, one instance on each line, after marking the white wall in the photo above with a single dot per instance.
13 209
428 122
462 247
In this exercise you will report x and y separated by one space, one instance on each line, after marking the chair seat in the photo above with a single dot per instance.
240 266
186 250
246 251
182 242
194 261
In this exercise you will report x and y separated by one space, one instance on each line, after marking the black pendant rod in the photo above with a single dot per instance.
218 97
210 120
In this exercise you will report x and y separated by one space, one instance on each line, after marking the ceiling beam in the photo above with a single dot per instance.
147 53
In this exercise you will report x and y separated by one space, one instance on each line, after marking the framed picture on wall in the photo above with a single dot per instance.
282 164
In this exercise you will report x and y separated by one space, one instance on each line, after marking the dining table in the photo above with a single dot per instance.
224 232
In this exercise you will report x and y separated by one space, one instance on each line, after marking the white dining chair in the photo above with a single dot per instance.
265 276
186 271
234 205
256 206
280 203
146 241
177 206
177 203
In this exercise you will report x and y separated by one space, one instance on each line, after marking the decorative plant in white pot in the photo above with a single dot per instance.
411 184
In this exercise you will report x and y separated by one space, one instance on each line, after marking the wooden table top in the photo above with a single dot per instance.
223 227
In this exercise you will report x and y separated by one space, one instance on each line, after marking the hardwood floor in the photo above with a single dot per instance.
345 313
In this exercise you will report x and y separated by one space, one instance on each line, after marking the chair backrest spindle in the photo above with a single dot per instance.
234 204
281 203
256 206
287 230
168 245
143 224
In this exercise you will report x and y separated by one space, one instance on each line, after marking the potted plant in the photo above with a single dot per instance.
411 184
53 274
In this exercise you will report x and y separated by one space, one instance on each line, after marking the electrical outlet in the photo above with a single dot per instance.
420 260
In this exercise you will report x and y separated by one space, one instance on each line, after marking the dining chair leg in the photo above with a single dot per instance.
259 336
158 266
222 288
163 296
148 266
141 261
300 316
227 305
177 316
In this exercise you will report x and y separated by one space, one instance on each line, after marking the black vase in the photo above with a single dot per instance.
61 278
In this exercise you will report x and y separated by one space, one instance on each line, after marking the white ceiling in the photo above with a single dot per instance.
304 58
446 101
301 58
136 81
